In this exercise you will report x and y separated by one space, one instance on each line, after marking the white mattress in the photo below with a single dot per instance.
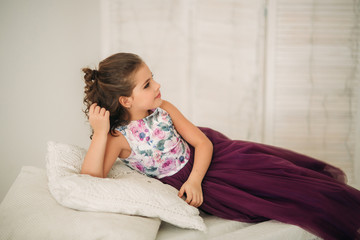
220 229
28 211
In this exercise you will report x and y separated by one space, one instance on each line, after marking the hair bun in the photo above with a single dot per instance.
94 74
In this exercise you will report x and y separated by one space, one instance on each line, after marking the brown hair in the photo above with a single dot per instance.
114 78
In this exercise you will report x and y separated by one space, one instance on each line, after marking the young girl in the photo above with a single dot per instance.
236 180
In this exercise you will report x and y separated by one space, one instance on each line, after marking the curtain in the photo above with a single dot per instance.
313 78
281 72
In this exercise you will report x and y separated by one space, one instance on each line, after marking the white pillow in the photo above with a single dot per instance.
124 191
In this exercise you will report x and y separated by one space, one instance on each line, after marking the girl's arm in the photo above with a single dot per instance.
104 148
203 154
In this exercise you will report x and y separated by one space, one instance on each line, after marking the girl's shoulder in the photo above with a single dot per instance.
118 136
164 105
118 141
168 107
174 113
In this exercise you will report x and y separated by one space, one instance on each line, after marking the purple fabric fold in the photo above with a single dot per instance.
253 182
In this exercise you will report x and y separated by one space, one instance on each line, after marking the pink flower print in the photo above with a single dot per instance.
157 156
168 165
171 144
187 150
138 130
141 124
159 134
148 162
164 117
176 149
139 167
134 130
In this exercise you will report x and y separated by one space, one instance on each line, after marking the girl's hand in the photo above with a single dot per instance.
99 119
194 195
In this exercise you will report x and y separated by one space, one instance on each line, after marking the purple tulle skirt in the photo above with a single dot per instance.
252 182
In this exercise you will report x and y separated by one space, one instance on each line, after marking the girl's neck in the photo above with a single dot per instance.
134 116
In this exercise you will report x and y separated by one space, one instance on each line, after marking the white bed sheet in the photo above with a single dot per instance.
28 211
221 229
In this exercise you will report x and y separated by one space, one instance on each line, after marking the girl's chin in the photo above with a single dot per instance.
158 102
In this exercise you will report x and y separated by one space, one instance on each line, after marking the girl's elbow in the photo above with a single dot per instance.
92 174
210 145
207 144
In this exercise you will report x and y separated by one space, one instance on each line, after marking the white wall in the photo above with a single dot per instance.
43 45
207 56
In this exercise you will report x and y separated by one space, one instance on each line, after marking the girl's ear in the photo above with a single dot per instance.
125 101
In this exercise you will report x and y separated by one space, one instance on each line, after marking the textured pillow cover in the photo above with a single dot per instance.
124 191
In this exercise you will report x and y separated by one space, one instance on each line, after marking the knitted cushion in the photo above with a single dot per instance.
124 191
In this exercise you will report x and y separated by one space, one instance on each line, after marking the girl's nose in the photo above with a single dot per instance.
157 85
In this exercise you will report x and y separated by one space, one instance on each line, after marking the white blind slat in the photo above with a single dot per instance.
314 81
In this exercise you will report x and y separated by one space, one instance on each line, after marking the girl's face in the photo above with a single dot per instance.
146 94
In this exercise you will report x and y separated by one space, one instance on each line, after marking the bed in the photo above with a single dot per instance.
30 211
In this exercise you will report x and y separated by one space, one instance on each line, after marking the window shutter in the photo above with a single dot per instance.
313 78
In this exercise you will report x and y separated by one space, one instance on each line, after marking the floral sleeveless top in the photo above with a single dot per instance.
157 149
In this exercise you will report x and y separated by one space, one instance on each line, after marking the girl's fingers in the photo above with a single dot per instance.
102 111
189 197
198 201
193 200
181 192
97 110
193 197
92 107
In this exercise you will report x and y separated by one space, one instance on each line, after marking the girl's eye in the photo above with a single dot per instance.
148 83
